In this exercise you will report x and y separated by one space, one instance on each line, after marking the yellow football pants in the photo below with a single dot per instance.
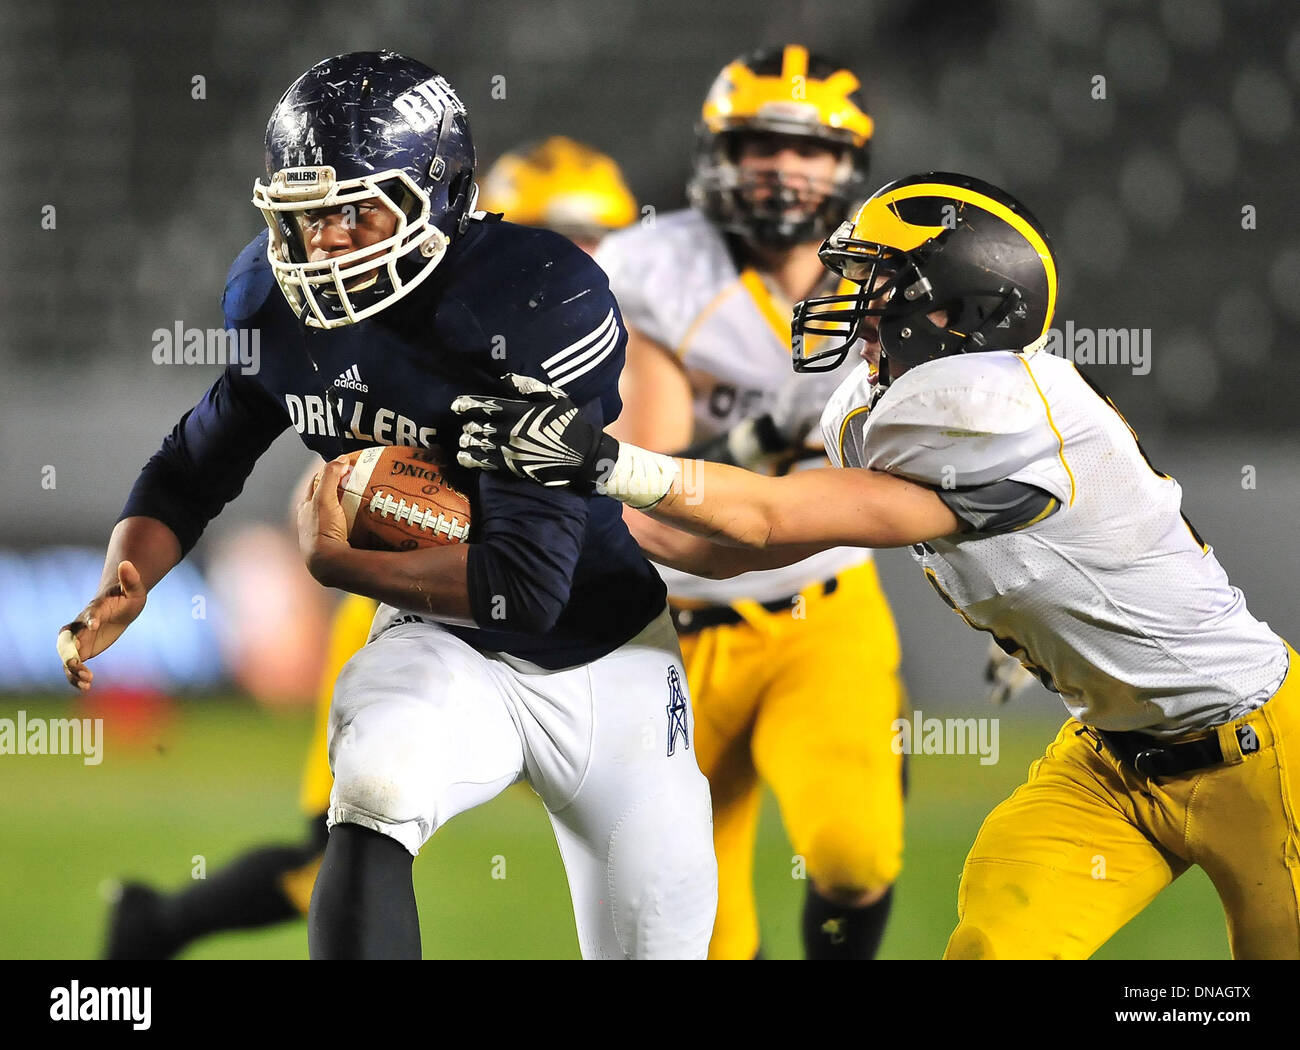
348 633
1085 844
803 699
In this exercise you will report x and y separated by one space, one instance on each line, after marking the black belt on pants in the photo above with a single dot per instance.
688 621
1153 757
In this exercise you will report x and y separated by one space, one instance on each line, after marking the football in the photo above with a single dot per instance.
396 499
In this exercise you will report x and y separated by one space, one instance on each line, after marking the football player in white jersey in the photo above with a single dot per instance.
1035 514
782 692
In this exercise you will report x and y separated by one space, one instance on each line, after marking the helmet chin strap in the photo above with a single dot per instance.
881 384
470 206
883 378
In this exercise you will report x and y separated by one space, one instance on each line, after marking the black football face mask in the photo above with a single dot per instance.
771 208
907 286
774 210
878 271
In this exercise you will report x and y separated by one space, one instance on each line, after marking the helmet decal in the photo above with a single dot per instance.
871 224
820 107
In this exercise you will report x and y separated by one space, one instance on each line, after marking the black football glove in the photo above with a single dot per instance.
538 437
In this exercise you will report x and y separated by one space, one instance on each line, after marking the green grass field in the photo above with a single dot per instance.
222 776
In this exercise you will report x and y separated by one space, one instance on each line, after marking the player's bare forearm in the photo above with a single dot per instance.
148 544
433 580
670 546
429 580
820 508
656 395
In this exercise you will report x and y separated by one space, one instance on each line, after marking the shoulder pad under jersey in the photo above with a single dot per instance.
249 281
966 420
530 301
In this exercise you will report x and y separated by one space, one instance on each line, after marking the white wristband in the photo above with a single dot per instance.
640 478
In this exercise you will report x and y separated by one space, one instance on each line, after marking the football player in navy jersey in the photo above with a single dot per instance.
558 184
541 649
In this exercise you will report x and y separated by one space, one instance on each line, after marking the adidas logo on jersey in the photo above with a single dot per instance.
351 380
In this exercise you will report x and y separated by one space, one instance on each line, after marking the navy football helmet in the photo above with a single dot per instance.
363 130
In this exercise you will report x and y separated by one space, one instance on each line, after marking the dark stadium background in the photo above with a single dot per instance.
1144 191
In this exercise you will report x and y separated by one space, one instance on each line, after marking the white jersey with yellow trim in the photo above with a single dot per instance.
676 283
1109 596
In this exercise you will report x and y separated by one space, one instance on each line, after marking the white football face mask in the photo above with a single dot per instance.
346 288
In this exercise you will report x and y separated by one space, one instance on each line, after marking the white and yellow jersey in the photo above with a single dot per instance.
676 283
1110 595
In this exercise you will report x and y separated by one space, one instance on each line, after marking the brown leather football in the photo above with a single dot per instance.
396 499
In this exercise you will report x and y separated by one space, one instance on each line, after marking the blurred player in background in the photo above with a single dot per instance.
558 184
782 689
561 185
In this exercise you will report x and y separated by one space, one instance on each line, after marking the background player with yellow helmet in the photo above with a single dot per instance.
559 184
782 692
562 185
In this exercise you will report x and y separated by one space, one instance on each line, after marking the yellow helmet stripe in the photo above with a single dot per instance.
794 62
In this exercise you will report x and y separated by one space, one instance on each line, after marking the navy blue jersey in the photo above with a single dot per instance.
555 578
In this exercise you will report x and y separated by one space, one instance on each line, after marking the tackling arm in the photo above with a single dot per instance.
823 508
715 561
543 438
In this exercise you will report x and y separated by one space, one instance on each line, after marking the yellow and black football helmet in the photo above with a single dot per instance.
780 91
940 241
562 185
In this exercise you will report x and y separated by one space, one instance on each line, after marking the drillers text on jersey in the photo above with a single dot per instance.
310 414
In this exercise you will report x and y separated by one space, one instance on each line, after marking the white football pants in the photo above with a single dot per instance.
424 726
